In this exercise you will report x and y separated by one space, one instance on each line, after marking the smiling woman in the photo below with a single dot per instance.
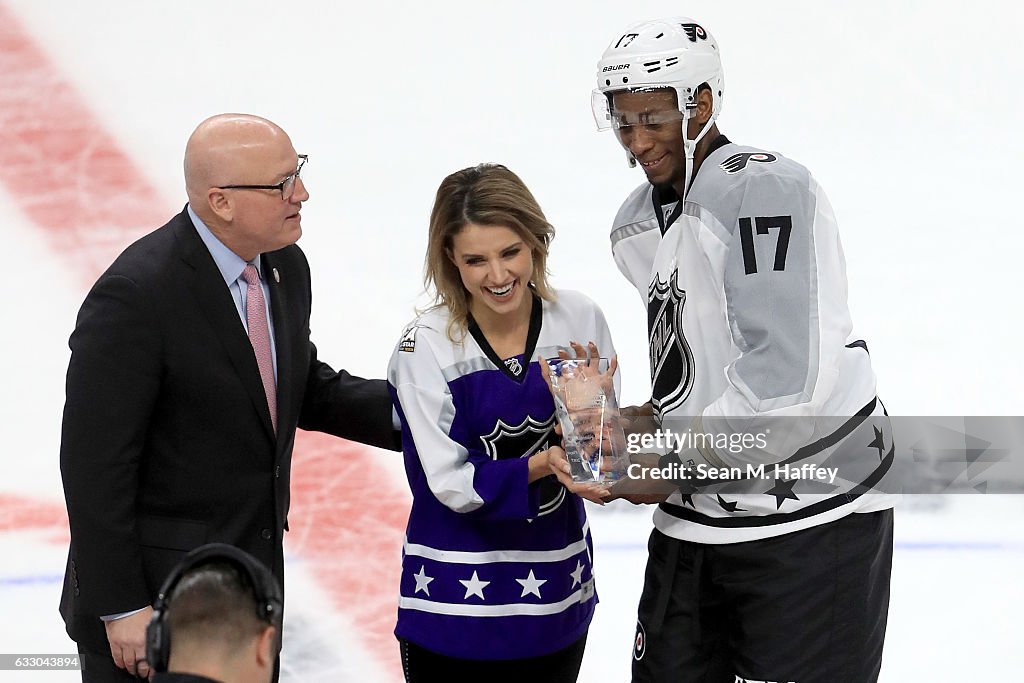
496 269
487 230
494 544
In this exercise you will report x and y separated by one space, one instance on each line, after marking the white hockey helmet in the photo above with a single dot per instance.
676 53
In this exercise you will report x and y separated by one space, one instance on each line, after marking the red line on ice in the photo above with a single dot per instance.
64 171
21 513
72 180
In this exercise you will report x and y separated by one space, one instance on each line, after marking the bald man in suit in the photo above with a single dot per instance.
191 368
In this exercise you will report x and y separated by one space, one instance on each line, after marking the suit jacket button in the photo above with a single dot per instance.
277 472
266 534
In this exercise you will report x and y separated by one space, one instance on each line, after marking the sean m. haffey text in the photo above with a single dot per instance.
667 440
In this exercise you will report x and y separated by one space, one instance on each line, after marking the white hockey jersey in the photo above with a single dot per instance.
745 288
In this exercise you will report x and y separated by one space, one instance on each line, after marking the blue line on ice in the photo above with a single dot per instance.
6 581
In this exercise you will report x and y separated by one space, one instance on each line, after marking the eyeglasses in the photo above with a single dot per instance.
286 186
653 120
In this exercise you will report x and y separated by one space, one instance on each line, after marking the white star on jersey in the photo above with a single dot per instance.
531 585
577 575
474 586
422 581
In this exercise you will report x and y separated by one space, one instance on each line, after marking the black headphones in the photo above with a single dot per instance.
269 600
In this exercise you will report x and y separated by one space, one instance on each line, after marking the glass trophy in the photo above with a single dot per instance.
588 413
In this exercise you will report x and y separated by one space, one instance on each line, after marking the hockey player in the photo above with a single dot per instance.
497 583
736 254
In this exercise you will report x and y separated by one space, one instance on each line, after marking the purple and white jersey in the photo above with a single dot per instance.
493 567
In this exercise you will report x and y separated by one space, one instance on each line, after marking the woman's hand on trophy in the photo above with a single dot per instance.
592 367
558 463
588 364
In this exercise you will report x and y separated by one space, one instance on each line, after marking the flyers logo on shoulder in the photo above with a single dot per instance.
671 357
738 162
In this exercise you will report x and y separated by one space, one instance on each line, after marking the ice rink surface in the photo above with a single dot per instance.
906 112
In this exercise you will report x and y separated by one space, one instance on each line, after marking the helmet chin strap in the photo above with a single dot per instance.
689 147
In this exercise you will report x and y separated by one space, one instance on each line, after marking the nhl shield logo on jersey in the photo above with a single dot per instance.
521 441
738 162
671 357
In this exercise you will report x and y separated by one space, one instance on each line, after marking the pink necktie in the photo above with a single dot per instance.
259 337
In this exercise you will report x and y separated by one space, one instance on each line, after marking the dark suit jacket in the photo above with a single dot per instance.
167 441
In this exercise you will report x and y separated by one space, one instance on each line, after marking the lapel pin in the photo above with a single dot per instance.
277 276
